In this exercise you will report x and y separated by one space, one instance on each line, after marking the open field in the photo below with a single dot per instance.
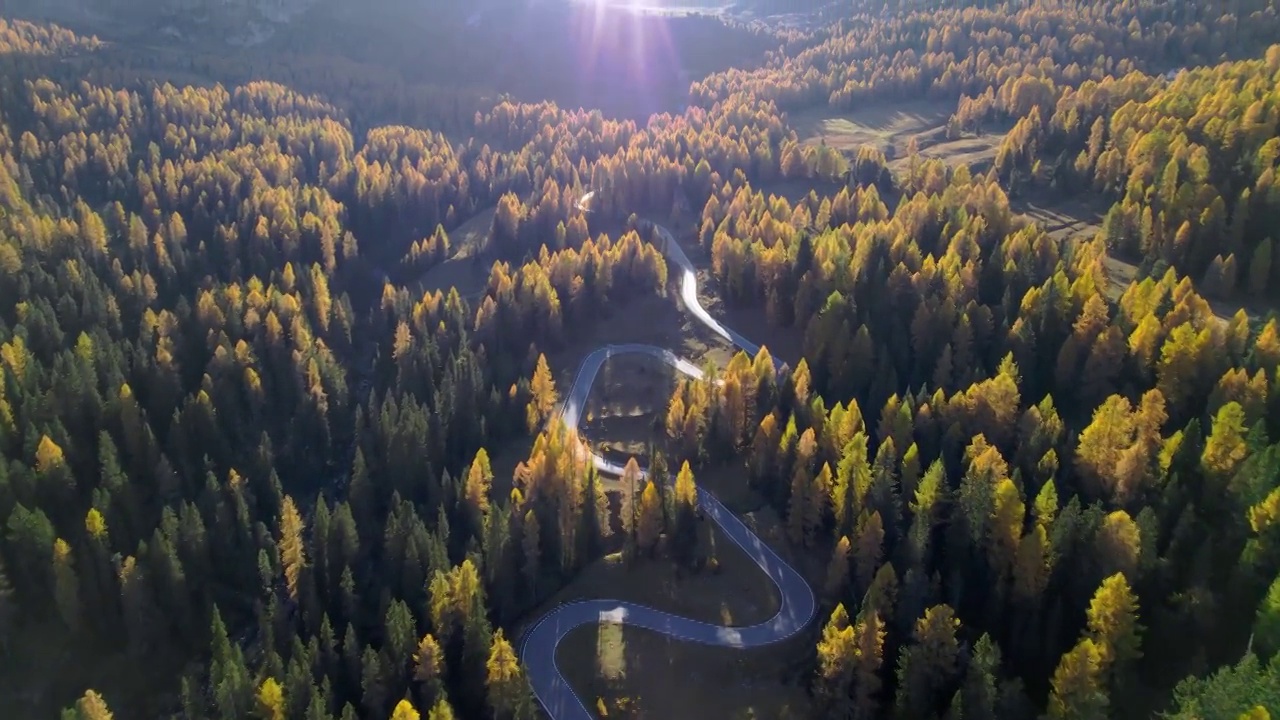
880 125
890 127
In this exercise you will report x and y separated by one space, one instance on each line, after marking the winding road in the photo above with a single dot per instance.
797 606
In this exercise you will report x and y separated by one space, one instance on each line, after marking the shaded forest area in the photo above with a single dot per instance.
235 456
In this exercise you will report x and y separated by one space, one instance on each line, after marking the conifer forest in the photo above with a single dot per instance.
287 330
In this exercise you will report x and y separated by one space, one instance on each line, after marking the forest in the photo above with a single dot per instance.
250 468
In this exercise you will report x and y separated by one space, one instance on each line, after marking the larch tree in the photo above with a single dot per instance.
66 586
543 401
269 702
441 711
479 480
1078 692
685 540
291 548
649 519
835 671
404 710
428 663
1113 626
1118 545
1225 447
92 706
868 639
837 579
630 502
508 693
868 552
927 668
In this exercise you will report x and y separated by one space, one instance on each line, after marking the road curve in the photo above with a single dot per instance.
797 606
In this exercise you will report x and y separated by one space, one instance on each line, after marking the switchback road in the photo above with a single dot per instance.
797 607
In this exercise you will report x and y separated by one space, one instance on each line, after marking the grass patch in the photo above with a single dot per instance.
464 269
890 127
611 655
878 124
666 678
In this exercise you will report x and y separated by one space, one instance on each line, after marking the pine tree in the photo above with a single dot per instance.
1266 626
530 545
979 690
8 608
228 676
428 664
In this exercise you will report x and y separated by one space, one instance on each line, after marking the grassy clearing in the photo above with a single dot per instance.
891 126
881 125
462 270
665 678
626 407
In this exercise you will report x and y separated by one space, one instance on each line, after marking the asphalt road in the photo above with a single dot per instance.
797 608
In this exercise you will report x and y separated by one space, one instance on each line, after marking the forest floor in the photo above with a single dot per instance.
461 269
